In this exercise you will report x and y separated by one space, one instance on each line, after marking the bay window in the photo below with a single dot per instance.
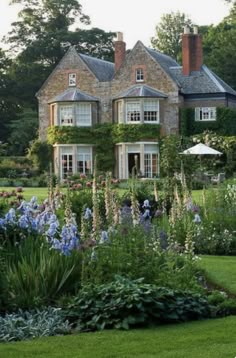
76 114
139 111
75 159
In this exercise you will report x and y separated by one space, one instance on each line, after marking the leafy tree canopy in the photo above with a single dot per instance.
168 34
219 48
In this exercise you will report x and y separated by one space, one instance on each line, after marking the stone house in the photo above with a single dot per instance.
143 89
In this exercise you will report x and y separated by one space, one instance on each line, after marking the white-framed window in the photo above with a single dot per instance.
133 114
142 110
72 79
205 114
150 111
120 111
150 165
75 159
84 160
66 161
83 113
150 161
139 75
66 115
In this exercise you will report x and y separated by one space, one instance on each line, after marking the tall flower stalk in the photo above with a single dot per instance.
95 199
115 209
108 200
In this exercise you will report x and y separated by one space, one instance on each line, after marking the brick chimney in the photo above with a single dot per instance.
192 58
120 48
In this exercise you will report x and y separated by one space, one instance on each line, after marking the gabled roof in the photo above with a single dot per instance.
73 95
103 70
141 91
200 82
203 81
165 61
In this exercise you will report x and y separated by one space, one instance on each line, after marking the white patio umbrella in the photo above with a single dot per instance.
201 149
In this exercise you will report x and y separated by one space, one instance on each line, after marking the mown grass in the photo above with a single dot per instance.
42 193
202 339
220 270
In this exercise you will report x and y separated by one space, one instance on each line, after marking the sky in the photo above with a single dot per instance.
136 19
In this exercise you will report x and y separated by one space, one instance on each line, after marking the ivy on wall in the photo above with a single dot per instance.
224 125
104 137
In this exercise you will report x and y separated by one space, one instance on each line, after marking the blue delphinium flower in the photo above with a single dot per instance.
24 222
10 216
104 237
2 224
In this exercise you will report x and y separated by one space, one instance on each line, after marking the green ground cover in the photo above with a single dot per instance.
42 193
202 339
221 270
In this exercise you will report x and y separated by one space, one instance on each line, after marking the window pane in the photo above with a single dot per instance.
72 79
66 115
84 160
205 114
139 75
66 165
151 111
83 114
133 111
150 165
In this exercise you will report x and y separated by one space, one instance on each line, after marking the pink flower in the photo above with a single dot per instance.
82 176
89 184
19 189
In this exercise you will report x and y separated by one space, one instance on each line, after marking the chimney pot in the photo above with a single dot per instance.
119 36
195 30
186 30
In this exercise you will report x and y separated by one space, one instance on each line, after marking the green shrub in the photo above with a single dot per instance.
124 304
31 324
37 276
41 155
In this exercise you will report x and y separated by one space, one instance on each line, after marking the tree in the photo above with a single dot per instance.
39 17
168 34
9 106
39 35
219 48
23 131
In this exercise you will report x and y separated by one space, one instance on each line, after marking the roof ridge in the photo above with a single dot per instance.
95 58
213 78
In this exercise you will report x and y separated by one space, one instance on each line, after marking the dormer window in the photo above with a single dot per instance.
139 75
72 79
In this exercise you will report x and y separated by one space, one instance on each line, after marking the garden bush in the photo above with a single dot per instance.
31 324
124 303
36 276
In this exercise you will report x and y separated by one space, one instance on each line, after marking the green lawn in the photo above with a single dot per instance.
41 193
221 270
206 339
